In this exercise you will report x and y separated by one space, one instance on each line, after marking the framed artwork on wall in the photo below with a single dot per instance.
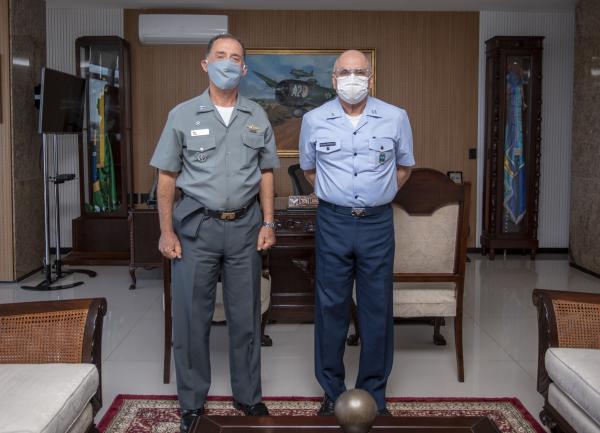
289 83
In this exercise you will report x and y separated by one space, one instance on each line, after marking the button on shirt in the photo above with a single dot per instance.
219 165
356 166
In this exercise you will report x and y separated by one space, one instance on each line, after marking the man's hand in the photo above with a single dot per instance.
266 238
169 245
402 175
311 176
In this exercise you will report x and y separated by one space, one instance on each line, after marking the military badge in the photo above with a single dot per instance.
252 128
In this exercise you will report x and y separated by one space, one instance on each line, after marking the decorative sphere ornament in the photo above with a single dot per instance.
355 411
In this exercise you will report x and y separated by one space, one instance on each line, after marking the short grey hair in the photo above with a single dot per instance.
225 36
337 61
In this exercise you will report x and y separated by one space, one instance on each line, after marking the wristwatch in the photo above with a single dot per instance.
269 224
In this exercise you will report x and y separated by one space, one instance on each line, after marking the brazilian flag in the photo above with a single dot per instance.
104 187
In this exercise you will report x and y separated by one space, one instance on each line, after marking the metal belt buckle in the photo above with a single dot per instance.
358 211
227 216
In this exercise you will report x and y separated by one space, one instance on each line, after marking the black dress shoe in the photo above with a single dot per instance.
258 409
187 419
384 412
327 407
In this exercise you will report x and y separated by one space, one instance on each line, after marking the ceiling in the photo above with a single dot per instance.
436 5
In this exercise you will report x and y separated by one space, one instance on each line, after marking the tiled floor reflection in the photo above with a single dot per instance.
500 337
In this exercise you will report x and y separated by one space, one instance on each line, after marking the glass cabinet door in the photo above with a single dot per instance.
101 151
516 133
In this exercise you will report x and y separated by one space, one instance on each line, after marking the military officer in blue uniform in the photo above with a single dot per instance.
219 149
357 152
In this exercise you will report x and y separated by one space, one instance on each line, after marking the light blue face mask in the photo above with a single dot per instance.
225 74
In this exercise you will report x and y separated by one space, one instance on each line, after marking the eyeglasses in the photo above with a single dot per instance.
343 72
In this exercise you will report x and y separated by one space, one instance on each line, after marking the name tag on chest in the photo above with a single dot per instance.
199 132
327 143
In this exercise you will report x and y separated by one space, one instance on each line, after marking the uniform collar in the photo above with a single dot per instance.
205 104
336 110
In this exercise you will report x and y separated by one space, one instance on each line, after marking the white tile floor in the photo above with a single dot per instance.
500 337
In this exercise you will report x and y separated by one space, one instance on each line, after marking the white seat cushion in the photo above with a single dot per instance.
571 412
85 420
44 398
265 294
424 299
577 373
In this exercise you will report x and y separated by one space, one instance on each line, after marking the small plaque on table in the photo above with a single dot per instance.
303 202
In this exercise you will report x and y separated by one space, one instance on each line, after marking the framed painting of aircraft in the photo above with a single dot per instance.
287 84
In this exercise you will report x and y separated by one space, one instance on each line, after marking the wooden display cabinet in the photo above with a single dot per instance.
100 234
513 117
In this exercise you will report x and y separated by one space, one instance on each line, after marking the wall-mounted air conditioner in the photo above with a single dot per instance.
180 29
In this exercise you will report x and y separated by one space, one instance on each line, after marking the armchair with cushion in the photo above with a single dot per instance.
569 360
431 224
50 354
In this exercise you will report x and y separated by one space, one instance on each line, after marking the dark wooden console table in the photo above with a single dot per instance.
291 260
326 424
291 264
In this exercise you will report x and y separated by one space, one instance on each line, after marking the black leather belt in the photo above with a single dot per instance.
355 211
229 215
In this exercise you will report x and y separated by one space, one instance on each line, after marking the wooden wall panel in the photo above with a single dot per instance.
7 272
427 63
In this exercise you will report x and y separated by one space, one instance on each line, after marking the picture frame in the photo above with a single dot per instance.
455 176
1 100
287 83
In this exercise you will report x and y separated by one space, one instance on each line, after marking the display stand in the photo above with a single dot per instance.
50 276
513 141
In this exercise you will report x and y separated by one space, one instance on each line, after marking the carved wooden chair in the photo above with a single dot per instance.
219 313
52 332
569 360
431 219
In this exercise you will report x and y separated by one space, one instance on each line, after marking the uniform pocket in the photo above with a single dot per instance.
253 143
381 151
201 151
326 146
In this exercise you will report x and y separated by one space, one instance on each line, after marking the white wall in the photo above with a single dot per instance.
558 28
63 26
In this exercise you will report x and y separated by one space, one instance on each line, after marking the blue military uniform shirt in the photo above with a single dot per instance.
356 166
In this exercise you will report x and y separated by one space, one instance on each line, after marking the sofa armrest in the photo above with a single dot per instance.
66 331
565 319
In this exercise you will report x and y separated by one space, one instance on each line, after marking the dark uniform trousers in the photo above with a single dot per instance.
352 248
209 245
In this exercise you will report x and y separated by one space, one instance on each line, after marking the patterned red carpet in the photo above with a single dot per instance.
160 414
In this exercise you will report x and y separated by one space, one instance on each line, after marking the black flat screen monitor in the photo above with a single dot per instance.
61 103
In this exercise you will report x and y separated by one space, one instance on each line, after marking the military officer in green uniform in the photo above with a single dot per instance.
218 149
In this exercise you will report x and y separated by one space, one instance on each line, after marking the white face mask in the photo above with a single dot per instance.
353 88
